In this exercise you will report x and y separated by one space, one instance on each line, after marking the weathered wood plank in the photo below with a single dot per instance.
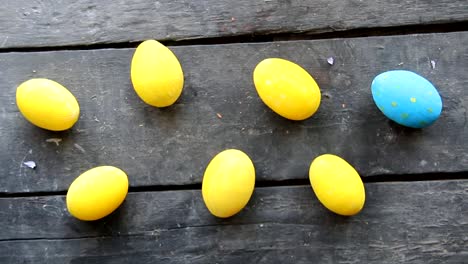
51 23
406 222
173 145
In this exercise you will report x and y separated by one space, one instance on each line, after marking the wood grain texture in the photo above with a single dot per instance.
60 23
172 146
406 222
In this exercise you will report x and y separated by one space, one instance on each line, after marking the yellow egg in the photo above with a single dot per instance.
97 192
156 74
47 104
286 88
228 183
337 185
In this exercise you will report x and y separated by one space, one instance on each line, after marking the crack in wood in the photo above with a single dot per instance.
423 177
262 37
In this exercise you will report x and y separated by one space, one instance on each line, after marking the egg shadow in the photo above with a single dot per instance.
405 131
152 115
32 133
149 114
110 225
279 122
332 219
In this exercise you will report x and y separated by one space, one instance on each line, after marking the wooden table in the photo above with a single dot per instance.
416 180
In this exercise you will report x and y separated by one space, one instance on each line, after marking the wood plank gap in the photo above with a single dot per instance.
375 179
266 37
144 233
31 194
423 177
433 176
60 239
153 233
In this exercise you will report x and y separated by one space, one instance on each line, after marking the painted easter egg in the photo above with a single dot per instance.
286 88
156 74
337 185
47 104
406 98
228 183
97 192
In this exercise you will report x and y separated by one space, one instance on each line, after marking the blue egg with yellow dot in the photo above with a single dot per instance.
406 98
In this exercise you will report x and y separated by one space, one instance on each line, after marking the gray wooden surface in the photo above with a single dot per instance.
173 146
87 46
406 222
44 23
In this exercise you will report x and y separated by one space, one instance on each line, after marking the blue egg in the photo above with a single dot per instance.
406 98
